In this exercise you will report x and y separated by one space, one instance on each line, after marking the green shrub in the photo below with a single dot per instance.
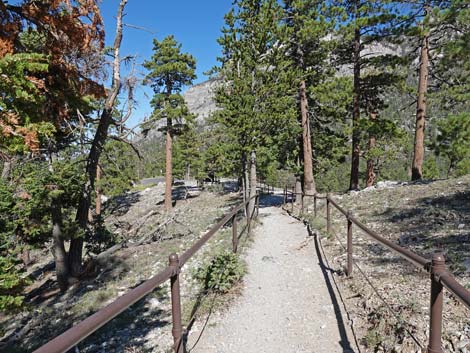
12 281
215 188
100 238
453 142
430 168
222 273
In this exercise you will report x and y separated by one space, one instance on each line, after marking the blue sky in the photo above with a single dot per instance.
195 24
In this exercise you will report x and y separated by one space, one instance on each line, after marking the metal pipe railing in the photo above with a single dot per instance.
79 332
440 277
85 328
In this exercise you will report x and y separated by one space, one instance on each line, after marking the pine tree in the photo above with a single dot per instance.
170 70
439 29
39 43
308 24
258 97
366 22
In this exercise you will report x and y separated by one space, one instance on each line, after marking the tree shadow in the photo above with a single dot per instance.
270 200
133 327
55 311
435 223
120 205
230 186
431 213
183 192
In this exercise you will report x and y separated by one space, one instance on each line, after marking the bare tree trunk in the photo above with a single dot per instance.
298 190
418 158
76 244
356 149
7 167
98 191
246 182
243 179
309 182
253 178
168 166
370 162
188 172
60 256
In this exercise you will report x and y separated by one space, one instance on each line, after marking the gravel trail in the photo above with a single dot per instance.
286 305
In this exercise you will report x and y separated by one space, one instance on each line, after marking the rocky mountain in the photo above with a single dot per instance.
200 98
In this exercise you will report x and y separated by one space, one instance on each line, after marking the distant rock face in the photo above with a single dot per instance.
377 49
200 101
200 98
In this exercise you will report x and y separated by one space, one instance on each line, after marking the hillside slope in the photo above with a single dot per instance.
423 217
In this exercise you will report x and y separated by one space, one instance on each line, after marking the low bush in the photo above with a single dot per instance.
222 273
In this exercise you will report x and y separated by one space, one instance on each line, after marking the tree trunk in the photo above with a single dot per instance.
188 172
309 182
76 244
417 166
246 183
370 162
98 191
298 190
168 166
251 207
7 168
60 256
356 149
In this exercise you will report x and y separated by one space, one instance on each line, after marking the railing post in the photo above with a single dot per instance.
301 203
349 246
292 200
328 214
438 267
315 205
177 330
234 234
285 194
248 218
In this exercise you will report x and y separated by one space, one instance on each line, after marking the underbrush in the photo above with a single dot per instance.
221 273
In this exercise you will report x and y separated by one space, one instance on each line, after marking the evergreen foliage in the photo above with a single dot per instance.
453 142
258 100
170 70
278 58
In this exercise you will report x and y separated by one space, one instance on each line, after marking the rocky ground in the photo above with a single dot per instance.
422 217
148 236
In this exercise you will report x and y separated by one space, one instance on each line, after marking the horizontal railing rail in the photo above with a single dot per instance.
440 277
415 259
88 326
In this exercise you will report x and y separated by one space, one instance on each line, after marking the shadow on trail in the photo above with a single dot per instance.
327 272
270 200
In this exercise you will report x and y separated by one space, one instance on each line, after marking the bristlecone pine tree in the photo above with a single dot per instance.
47 84
170 70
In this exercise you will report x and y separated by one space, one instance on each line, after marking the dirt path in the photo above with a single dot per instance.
289 303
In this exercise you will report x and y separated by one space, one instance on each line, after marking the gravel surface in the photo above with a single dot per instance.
289 303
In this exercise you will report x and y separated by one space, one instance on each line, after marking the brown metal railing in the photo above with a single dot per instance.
79 332
436 267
